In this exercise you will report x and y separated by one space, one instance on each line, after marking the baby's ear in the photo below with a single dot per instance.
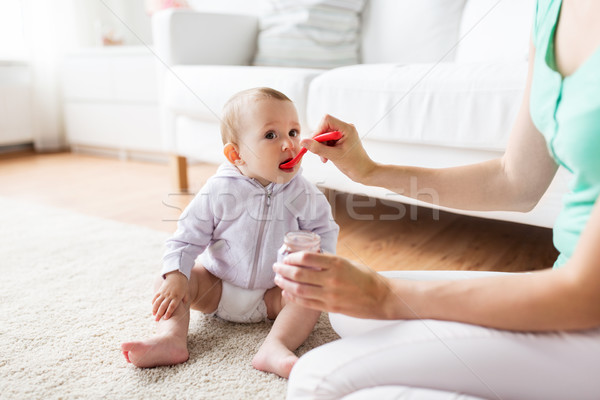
232 154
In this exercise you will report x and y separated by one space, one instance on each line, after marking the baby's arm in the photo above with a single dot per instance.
194 232
173 290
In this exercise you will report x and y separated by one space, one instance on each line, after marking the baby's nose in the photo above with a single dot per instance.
288 144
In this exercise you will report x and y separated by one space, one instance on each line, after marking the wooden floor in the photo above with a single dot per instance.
140 193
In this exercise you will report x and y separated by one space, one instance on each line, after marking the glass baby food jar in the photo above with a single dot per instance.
299 241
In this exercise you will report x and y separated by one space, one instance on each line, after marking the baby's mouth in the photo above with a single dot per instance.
284 162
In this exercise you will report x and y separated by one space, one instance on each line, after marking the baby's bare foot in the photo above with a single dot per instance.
274 357
158 350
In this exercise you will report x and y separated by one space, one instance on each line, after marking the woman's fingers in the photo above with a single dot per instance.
306 274
348 153
295 273
299 289
331 283
319 149
307 303
330 123
328 150
318 261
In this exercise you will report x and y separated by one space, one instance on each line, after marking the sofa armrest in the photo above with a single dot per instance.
187 37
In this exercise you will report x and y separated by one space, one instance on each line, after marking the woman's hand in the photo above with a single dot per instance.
347 154
170 294
330 283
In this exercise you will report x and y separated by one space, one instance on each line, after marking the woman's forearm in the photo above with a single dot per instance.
484 186
563 299
539 301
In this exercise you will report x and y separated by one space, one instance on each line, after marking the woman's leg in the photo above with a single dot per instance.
452 357
406 393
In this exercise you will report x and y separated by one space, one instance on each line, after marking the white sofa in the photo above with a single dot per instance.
439 84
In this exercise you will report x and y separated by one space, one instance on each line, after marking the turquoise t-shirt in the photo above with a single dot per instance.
567 112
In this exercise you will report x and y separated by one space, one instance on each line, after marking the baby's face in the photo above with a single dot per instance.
269 137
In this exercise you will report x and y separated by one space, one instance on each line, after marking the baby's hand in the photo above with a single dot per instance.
172 291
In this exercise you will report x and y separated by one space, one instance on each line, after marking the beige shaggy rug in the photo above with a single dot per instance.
74 287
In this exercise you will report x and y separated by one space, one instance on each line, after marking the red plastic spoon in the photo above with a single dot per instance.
323 137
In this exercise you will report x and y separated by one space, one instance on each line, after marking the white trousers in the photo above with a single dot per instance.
441 360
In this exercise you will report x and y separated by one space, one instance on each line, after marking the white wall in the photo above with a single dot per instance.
15 105
127 18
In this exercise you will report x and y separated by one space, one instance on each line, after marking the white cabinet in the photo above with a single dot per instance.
111 99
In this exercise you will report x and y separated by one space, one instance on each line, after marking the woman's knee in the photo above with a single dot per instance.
304 379
310 377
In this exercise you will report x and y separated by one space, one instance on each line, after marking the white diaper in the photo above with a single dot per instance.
241 305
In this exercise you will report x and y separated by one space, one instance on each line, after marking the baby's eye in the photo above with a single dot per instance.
294 133
270 135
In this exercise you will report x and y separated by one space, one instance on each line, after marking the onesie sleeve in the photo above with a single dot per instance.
194 232
320 220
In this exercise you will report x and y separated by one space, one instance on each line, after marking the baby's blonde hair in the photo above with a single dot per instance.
230 118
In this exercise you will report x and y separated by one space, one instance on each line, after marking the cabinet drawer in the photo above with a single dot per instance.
130 127
135 78
87 78
115 77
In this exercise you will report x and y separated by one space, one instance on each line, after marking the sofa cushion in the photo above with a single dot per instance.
407 31
493 31
200 91
309 33
449 104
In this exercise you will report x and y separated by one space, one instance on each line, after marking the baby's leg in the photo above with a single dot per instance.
291 328
169 345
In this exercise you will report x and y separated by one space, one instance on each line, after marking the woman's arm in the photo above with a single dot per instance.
563 299
514 182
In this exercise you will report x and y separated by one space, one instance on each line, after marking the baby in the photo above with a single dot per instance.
235 225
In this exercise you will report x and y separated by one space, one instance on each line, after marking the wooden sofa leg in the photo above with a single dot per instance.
178 166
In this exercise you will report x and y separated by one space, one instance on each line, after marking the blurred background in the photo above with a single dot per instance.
82 109
40 41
